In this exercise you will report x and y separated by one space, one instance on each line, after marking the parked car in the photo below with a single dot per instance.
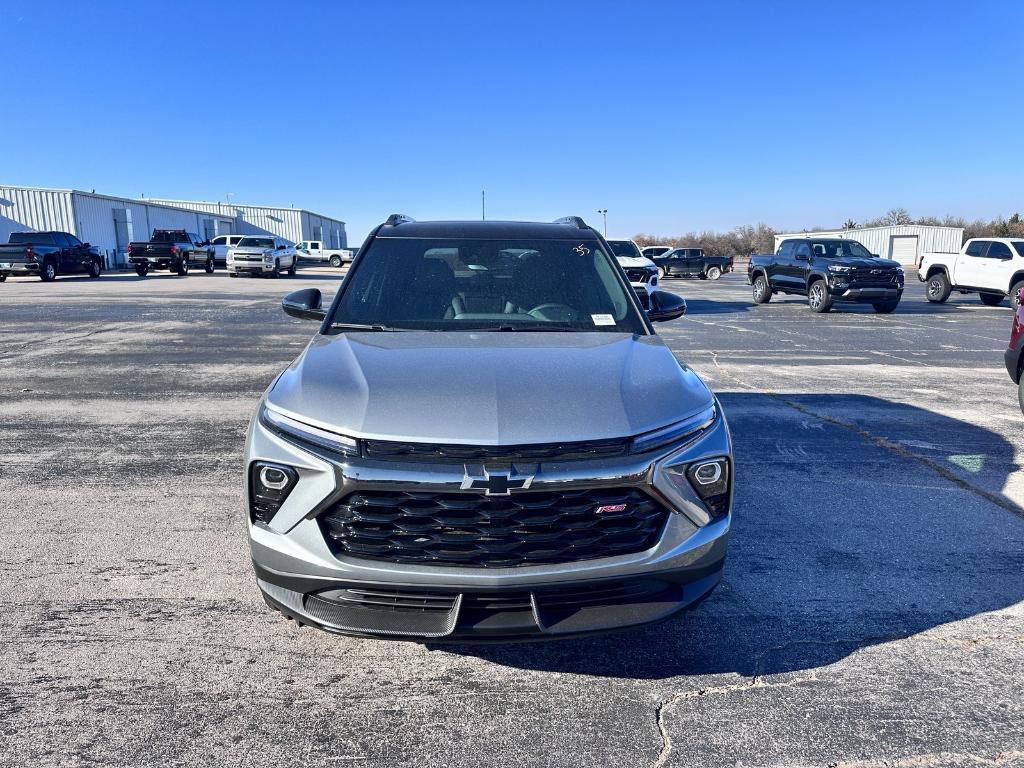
992 267
642 273
313 250
473 477
655 250
693 262
173 249
827 270
1015 350
48 254
221 244
266 255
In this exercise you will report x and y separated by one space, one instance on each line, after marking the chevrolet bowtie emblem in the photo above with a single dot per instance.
500 483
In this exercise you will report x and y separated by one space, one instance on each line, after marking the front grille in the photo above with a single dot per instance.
573 451
467 529
864 276
637 275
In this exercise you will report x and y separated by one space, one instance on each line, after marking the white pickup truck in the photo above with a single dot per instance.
992 267
313 250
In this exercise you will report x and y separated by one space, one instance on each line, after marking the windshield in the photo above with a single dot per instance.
841 249
490 285
256 242
31 238
167 236
625 248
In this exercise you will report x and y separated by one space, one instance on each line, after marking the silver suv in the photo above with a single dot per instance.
486 440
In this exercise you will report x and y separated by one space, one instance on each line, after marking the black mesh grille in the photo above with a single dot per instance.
592 449
528 528
866 276
637 275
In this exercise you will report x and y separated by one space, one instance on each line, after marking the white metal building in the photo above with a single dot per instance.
110 223
902 243
292 224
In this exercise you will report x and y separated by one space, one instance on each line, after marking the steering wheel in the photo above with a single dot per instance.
560 313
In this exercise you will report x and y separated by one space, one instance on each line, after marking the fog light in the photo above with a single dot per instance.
708 472
270 485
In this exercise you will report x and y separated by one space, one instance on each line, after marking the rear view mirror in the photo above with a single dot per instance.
665 306
306 304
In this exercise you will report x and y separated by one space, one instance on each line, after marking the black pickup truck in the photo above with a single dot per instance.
47 254
827 270
173 249
692 262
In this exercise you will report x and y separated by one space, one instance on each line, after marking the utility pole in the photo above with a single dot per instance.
604 215
483 205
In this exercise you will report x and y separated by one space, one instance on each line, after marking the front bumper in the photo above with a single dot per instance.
1012 357
250 267
866 295
19 268
300 575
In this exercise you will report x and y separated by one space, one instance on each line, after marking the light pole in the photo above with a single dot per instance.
483 205
604 215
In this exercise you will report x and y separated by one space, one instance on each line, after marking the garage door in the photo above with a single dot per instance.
903 249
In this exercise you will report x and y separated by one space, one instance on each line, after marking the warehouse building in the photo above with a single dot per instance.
293 224
110 223
902 243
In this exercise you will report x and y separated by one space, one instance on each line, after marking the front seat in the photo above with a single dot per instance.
430 297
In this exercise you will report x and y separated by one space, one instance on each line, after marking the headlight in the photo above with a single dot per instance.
708 478
297 431
269 486
840 268
674 433
268 257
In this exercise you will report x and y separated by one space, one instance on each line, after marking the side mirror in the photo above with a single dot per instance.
665 306
802 257
306 304
280 247
875 256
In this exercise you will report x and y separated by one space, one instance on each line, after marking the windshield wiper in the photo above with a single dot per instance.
507 328
362 327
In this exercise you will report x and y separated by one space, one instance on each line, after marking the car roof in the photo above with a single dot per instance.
486 230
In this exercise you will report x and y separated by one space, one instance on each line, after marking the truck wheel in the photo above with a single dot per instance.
1015 294
714 273
886 307
818 297
937 288
182 267
49 272
3 277
1020 393
291 269
762 292
209 266
142 270
277 269
991 299
335 261
94 268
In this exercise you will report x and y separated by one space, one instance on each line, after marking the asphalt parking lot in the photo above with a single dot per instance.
871 613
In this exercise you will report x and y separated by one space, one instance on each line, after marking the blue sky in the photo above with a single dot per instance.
673 116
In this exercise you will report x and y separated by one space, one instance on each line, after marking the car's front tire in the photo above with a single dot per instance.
276 272
818 297
937 288
1015 294
94 268
762 291
209 266
3 277
291 269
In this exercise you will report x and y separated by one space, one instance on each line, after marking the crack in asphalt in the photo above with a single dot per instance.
881 442
60 337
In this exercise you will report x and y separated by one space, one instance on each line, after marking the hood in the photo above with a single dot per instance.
879 263
488 388
635 261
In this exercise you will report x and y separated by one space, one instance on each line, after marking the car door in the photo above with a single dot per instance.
777 270
65 258
1000 267
78 256
971 266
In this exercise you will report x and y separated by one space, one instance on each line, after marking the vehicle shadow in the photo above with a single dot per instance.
713 307
839 542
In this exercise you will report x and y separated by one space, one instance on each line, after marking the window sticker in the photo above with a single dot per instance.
581 249
603 319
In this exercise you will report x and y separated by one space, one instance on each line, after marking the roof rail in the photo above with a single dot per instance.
572 221
398 218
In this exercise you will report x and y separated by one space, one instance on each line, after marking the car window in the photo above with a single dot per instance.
1019 246
32 238
489 285
73 241
999 250
625 248
220 241
235 240
786 249
256 242
976 248
803 250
